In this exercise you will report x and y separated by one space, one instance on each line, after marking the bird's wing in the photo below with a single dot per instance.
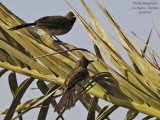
78 74
55 22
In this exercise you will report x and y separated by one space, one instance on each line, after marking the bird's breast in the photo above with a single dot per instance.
52 31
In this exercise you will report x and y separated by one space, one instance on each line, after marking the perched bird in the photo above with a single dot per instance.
78 74
52 25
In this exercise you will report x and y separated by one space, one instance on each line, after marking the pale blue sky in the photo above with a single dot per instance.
121 11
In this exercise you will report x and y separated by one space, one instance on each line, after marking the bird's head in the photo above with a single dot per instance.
70 16
84 62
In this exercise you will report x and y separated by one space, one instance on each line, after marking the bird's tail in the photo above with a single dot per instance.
22 26
67 101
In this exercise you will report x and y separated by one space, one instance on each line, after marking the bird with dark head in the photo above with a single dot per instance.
52 25
78 74
83 62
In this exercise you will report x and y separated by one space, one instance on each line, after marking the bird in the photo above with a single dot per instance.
52 25
78 74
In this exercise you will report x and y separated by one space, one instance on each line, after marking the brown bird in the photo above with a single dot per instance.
78 74
52 25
